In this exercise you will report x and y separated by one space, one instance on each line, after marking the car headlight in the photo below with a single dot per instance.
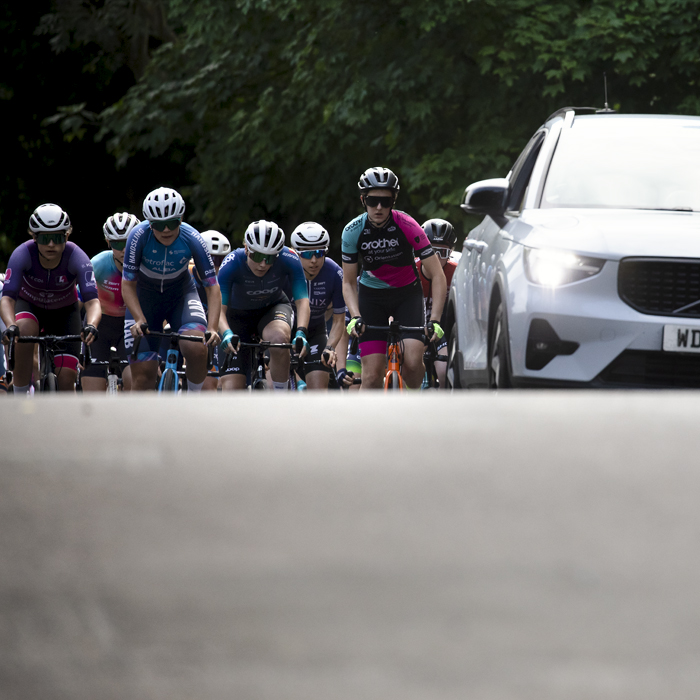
553 268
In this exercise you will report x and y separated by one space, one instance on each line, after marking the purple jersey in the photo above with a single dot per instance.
49 289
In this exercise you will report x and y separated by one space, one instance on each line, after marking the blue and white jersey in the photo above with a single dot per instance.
242 289
166 268
325 290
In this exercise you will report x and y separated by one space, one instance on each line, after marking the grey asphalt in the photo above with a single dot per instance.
480 546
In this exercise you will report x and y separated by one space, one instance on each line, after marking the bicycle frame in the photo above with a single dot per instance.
258 380
393 381
170 380
114 365
48 345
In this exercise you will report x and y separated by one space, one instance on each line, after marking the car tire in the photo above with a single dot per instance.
499 358
452 378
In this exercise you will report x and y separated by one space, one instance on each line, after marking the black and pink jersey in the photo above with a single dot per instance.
49 289
387 254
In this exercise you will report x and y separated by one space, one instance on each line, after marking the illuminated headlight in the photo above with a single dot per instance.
552 268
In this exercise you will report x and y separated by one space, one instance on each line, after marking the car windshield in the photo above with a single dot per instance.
626 163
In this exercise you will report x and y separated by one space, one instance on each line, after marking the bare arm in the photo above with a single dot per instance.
350 288
7 311
132 303
93 316
434 272
213 313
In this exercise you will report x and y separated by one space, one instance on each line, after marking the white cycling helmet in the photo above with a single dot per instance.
378 179
217 243
264 237
118 226
163 203
48 218
310 236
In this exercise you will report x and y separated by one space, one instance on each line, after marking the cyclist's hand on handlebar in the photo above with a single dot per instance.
344 378
329 357
230 342
300 343
89 334
139 329
433 331
10 333
211 338
356 327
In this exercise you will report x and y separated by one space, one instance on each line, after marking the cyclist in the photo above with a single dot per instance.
442 237
108 266
324 281
219 247
157 287
386 241
3 370
40 296
254 303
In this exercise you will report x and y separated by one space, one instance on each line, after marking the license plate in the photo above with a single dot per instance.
681 338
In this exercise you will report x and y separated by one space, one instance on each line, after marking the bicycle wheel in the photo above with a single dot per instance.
168 382
112 384
393 382
260 385
50 383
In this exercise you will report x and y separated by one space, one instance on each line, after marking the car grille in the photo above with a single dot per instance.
653 369
663 287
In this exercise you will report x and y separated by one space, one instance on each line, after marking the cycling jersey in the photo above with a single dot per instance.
242 289
109 284
387 254
27 279
162 268
324 290
449 269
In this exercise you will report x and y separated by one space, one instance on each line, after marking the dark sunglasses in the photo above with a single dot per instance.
308 254
117 245
172 224
46 238
372 201
261 257
444 253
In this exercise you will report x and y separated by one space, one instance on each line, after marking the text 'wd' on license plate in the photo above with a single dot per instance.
681 339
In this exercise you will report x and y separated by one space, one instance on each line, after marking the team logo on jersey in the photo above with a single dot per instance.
384 243
8 274
61 279
184 260
416 239
259 292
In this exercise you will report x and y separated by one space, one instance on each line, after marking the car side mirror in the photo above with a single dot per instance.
486 197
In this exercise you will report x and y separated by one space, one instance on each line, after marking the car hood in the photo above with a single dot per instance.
611 234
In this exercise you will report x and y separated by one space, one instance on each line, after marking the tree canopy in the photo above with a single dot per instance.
273 108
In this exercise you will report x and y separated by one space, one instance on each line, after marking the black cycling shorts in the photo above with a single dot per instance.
405 304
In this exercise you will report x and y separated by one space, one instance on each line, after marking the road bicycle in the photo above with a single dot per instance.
258 362
430 357
49 345
393 381
115 366
170 377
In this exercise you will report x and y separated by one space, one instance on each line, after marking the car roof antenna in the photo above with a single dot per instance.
606 109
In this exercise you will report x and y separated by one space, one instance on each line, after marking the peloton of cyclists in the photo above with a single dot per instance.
442 237
386 241
254 304
324 279
157 287
108 266
40 295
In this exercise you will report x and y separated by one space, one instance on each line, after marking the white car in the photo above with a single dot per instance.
586 268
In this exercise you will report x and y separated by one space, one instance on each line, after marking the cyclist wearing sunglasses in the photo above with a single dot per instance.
442 237
108 266
253 279
324 280
157 287
219 247
40 295
386 242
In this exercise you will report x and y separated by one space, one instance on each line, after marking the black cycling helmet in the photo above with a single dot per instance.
378 179
440 232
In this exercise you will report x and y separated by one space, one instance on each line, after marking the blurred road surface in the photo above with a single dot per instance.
533 545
